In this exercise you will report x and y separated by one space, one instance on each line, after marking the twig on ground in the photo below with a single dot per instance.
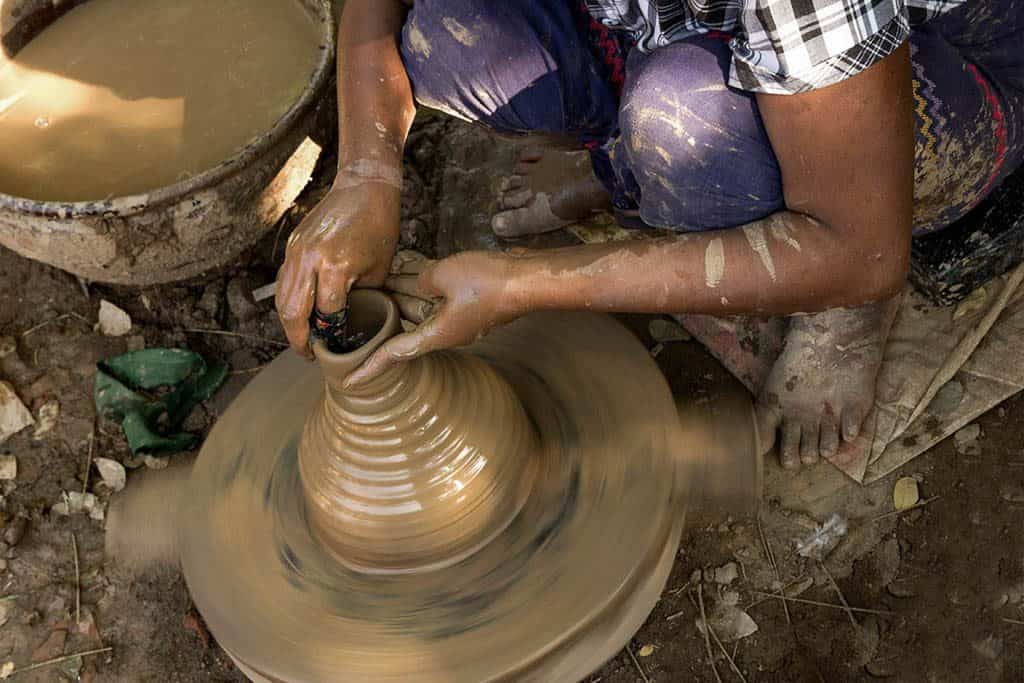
707 631
60 660
639 668
78 582
88 462
728 657
62 316
1013 621
916 506
237 335
804 601
247 371
842 598
775 567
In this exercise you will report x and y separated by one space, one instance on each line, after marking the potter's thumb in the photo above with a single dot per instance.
400 348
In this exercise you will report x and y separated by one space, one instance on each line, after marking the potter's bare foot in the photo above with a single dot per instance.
747 347
823 385
547 191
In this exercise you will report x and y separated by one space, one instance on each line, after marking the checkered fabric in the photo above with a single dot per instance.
778 46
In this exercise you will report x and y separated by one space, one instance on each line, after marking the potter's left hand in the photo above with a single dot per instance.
472 294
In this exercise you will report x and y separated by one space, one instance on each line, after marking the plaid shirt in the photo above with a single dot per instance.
778 46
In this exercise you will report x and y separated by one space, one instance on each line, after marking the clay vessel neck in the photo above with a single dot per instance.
418 468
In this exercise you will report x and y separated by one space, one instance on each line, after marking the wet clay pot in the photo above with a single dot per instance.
509 511
418 468
181 230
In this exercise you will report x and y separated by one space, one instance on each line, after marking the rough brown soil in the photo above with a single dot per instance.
946 580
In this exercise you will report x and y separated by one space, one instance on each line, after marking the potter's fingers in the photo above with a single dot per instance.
296 286
789 452
413 308
430 336
409 285
332 285
517 199
409 262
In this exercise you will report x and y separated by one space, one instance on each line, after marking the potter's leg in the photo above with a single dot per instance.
517 67
968 71
693 155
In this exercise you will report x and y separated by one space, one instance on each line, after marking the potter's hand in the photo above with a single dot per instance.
347 240
472 293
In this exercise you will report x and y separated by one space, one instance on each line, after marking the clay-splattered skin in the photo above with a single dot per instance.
846 155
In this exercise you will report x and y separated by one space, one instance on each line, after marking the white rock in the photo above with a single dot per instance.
8 468
727 573
113 322
48 415
14 416
112 472
75 503
729 623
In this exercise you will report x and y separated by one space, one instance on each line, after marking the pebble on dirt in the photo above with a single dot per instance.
966 440
906 493
76 503
112 472
15 530
113 322
14 416
8 468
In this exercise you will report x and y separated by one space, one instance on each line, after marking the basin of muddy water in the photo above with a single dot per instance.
147 141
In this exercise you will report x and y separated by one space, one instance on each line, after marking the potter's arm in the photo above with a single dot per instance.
350 237
846 155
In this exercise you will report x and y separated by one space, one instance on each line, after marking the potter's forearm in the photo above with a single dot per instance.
784 264
375 102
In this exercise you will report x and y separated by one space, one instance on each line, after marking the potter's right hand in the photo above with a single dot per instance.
348 240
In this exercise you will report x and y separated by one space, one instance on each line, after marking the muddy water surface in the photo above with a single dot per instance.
125 96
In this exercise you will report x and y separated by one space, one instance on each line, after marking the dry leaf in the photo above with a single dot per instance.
14 416
905 494
113 322
646 651
48 415
8 468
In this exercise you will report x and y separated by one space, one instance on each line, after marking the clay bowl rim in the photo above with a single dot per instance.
255 149
341 364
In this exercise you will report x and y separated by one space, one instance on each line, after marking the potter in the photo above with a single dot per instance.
793 167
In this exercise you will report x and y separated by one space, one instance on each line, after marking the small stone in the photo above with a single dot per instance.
75 503
729 623
15 530
7 670
155 463
646 651
47 419
113 322
14 416
966 440
7 346
726 574
8 468
112 473
906 493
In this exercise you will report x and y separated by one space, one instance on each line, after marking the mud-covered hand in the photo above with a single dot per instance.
473 292
347 240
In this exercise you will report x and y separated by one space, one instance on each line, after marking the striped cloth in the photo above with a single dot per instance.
778 46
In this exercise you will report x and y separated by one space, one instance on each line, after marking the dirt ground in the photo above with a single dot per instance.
935 593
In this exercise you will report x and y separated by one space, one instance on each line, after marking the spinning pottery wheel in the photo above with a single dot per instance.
506 512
